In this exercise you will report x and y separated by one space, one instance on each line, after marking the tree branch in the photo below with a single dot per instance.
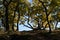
27 26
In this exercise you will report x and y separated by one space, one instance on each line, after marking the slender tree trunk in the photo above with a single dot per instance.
18 18
18 21
17 26
6 19
48 20
46 15
39 27
17 10
43 26
56 26
13 21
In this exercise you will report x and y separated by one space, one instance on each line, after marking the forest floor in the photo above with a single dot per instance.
31 35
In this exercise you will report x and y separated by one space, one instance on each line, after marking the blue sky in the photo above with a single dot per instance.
23 28
30 1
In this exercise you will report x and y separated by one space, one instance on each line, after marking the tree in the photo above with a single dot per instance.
38 14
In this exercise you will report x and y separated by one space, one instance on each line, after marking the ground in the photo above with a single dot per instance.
31 35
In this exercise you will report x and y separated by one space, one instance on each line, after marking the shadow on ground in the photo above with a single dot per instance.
38 36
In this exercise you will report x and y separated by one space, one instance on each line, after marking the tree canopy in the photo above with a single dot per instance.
39 13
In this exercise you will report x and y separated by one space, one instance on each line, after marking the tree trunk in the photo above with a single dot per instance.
39 27
46 15
17 8
6 19
13 20
5 3
56 26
